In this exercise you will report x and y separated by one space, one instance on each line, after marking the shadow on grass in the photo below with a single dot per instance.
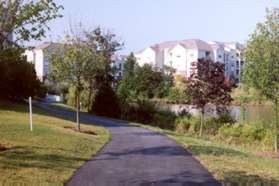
216 151
241 178
33 157
182 179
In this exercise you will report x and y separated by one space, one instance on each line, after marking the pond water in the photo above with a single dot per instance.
253 113
248 114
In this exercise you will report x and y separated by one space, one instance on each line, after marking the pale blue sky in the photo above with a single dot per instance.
141 23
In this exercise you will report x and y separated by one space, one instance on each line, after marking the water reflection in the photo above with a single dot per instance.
247 114
262 113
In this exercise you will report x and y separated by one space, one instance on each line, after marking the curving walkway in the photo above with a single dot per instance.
137 156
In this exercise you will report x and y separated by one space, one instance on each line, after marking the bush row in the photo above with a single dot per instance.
224 129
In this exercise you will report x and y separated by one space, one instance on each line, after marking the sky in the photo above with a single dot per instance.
141 23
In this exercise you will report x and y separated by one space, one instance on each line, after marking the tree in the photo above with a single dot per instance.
127 83
74 62
262 62
105 45
25 19
209 85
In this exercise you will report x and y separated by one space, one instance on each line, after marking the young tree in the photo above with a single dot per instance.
209 85
73 63
262 62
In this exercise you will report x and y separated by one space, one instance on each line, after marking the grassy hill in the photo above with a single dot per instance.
49 154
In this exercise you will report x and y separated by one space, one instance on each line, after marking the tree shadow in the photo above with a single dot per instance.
26 157
149 133
213 150
232 178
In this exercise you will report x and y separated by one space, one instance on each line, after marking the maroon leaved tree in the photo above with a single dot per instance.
208 84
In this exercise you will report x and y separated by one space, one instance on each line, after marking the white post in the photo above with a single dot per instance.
30 113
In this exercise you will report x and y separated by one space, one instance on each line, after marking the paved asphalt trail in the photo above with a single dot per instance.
137 156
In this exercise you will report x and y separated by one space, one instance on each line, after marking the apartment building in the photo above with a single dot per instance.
118 65
180 55
40 57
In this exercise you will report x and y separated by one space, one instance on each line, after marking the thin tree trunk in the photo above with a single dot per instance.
90 96
78 109
202 120
276 127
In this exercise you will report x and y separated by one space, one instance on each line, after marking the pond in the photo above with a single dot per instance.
253 113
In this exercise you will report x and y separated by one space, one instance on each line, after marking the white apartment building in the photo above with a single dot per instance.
181 54
39 56
118 65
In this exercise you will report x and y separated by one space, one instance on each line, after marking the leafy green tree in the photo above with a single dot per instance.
147 80
209 85
26 19
262 62
104 44
127 83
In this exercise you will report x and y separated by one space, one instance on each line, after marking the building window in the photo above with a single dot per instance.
220 56
178 56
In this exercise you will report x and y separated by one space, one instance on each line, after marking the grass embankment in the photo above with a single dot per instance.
228 163
49 154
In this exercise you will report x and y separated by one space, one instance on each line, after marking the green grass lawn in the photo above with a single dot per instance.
228 163
49 154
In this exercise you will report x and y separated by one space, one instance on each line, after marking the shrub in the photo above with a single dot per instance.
234 131
254 132
247 133
212 125
182 124
268 141
139 111
226 118
186 124
106 103
164 119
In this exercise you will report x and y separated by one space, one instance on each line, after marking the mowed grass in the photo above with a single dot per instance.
48 155
229 164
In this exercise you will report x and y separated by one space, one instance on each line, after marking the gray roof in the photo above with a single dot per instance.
45 45
188 44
